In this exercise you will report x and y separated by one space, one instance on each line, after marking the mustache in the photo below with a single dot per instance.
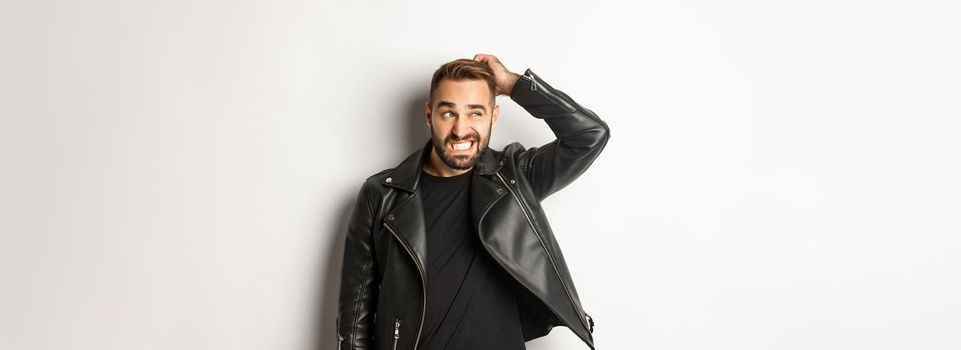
466 138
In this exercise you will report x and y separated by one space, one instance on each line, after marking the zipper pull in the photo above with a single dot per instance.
591 320
396 328
530 76
340 338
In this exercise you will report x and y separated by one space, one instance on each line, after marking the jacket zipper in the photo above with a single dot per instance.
396 331
553 264
340 338
549 95
423 311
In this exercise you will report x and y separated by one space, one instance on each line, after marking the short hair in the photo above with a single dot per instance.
463 69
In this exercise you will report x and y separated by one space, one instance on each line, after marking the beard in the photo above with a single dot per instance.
459 161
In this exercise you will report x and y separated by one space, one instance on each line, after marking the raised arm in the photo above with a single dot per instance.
581 135
359 280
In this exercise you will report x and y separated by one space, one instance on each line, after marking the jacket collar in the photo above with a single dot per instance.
406 218
406 175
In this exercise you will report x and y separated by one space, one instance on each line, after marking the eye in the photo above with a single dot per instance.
478 114
445 114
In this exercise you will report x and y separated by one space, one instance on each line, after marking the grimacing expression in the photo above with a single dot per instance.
460 121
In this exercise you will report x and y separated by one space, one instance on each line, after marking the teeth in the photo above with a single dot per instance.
462 146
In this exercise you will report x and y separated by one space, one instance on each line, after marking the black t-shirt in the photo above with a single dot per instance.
470 298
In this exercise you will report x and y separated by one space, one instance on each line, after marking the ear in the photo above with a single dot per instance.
494 114
427 114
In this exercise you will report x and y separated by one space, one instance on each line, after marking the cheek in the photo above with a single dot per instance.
441 130
486 129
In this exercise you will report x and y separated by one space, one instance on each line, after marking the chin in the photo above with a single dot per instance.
460 159
461 165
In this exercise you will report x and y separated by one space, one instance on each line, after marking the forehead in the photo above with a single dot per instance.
463 92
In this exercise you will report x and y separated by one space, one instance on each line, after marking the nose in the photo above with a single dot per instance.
462 128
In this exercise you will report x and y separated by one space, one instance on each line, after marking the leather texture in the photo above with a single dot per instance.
381 301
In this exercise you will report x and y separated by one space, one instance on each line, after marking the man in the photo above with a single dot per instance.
451 249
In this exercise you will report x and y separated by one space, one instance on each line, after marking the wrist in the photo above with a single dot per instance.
511 81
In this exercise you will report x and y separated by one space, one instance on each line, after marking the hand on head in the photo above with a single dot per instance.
504 78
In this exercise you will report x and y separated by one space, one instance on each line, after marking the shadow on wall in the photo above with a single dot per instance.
327 287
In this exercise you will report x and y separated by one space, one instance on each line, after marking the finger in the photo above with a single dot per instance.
486 58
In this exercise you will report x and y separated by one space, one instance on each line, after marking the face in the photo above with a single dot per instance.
461 120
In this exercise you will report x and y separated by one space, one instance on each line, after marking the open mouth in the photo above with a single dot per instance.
458 147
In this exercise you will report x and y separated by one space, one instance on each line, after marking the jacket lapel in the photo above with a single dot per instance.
485 191
406 218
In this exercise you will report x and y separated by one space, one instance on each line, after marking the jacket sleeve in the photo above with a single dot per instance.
359 280
581 135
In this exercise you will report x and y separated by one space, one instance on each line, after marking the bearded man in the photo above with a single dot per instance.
450 249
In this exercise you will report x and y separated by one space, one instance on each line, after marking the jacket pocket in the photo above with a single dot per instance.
396 331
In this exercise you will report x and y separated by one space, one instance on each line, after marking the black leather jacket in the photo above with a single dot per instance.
382 300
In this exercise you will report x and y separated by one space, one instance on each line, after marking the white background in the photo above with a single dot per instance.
781 175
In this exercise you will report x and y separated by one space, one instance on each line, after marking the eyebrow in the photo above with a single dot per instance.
452 105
